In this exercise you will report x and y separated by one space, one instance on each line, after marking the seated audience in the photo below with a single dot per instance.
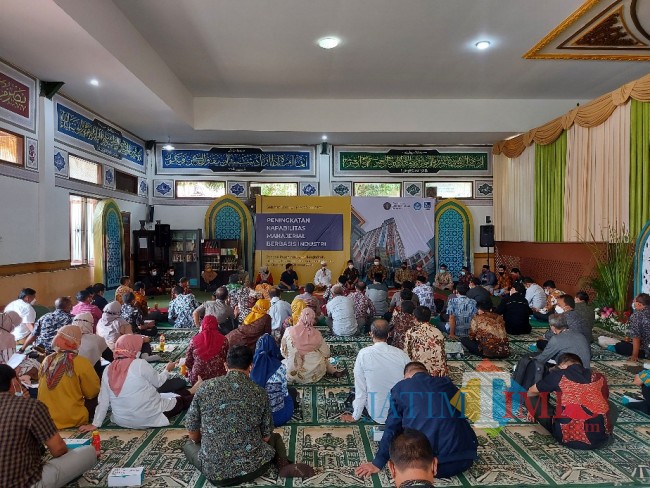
585 309
310 300
377 292
168 281
377 370
84 304
479 293
575 321
218 308
264 276
504 281
421 401
341 317
584 420
133 315
288 279
515 276
323 277
412 462
8 322
405 294
98 298
92 347
125 287
426 344
243 276
230 426
242 299
465 276
643 380
443 279
130 387
209 278
402 274
263 289
279 312
305 351
23 307
351 275
68 384
564 340
271 374
111 326
25 428
516 311
534 294
181 309
328 295
364 308
184 283
552 294
153 282
424 292
377 267
638 330
487 334
487 278
297 306
254 326
48 325
206 355
401 322
461 310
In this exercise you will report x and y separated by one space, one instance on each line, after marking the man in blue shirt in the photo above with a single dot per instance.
423 402
461 310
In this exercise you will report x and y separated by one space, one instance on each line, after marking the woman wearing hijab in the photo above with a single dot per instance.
8 322
206 354
130 386
68 384
306 352
111 326
264 276
297 306
269 373
93 347
255 325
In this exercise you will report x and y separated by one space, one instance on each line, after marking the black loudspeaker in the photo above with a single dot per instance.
150 213
163 235
487 236
149 145
49 88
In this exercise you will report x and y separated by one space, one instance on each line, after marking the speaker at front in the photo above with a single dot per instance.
163 235
487 236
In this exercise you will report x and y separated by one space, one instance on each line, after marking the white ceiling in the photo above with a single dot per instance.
154 57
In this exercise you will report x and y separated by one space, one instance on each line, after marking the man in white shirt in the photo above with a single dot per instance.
279 311
377 369
535 294
23 307
340 313
323 277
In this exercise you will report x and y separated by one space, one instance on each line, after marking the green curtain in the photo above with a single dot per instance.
550 168
639 166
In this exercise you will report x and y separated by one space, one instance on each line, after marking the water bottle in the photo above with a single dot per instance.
162 342
96 442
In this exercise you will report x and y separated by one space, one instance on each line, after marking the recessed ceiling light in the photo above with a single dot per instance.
329 42
324 137
482 45
94 82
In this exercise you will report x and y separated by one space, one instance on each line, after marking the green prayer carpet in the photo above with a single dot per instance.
522 454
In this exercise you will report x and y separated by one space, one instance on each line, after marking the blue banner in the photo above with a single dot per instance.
299 232
104 138
236 159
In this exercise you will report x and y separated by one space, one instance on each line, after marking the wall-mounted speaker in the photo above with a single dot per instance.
163 235
49 88
149 145
150 211
487 236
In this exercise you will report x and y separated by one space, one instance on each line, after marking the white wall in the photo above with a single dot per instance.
181 217
19 218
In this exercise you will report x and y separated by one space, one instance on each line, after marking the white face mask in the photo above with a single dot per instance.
350 266
633 307
154 273
19 392
462 272
171 273
558 309
442 270
33 302
376 263
547 292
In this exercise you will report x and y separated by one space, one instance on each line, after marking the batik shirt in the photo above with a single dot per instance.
242 298
489 330
400 323
425 295
463 309
234 416
504 281
48 325
181 309
364 309
639 326
133 316
426 344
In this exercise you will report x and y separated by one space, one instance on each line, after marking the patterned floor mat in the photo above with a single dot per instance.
523 454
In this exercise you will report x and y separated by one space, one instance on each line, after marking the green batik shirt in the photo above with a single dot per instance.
234 416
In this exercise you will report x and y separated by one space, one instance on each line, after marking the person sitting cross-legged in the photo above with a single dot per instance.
133 315
412 463
364 307
85 304
424 292
93 347
401 322
425 403
642 379
426 344
279 312
586 417
478 292
461 310
181 309
219 308
206 354
25 426
443 279
49 324
487 334
376 370
230 426
638 330
111 326
255 325
516 311
341 317
323 277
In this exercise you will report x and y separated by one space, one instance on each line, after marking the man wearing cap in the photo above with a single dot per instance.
323 277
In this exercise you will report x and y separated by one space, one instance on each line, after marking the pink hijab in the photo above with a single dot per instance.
305 337
8 321
209 341
126 350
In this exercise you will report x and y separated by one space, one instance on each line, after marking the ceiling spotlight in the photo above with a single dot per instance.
482 45
168 146
324 137
329 42
94 82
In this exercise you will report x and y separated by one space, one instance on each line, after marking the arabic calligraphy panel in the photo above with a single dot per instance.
17 98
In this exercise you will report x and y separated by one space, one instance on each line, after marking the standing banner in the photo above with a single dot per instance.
395 229
303 231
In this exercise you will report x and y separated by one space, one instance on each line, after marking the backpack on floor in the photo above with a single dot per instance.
528 372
